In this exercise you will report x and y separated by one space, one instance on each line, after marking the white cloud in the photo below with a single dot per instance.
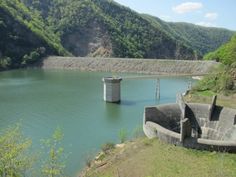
206 24
211 16
187 7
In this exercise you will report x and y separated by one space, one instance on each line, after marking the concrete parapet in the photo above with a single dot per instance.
155 130
216 145
196 131
212 107
182 105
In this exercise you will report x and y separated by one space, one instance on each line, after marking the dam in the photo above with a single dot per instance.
123 65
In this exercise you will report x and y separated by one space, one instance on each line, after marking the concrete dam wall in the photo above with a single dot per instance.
201 128
122 65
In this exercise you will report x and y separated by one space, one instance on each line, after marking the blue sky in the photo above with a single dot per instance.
216 13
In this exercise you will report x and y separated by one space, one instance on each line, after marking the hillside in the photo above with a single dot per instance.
225 54
105 28
24 37
202 39
95 28
222 80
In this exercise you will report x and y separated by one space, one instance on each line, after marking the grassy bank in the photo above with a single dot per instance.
152 158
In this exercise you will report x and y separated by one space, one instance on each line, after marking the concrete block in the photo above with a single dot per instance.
212 107
185 130
111 90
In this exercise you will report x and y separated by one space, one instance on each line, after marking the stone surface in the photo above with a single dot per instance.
145 66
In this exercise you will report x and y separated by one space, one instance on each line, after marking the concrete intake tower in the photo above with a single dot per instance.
111 88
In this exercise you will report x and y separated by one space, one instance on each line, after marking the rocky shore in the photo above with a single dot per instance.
144 66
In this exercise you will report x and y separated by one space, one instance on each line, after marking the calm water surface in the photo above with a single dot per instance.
43 100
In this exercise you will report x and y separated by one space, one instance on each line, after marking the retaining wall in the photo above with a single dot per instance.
145 66
196 130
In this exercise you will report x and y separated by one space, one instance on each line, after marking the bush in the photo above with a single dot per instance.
54 165
106 148
33 56
221 81
5 62
226 82
15 159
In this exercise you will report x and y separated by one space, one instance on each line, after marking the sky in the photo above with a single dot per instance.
211 13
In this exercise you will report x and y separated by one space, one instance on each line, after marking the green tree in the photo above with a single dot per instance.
5 62
54 165
15 160
225 54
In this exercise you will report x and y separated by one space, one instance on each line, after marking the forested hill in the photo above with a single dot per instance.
225 54
35 28
104 28
202 39
24 37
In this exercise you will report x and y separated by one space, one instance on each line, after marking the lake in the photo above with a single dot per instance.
42 100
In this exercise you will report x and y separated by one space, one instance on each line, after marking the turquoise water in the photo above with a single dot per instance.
44 100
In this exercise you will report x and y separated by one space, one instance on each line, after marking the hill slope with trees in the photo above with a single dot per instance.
202 39
24 36
225 54
96 28
223 78
105 28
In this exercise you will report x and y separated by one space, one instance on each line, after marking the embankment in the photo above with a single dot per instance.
144 66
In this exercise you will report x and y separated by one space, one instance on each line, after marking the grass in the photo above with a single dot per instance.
152 158
206 97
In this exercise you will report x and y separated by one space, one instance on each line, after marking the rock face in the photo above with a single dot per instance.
91 41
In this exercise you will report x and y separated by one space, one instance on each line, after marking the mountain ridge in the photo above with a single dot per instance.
211 42
104 28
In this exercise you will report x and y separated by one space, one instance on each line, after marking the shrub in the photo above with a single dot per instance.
54 165
220 81
33 56
5 62
106 148
15 159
